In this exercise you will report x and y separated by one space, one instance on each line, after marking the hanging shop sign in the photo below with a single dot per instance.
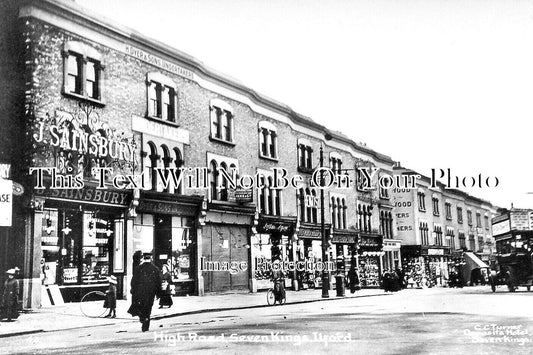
163 207
435 251
344 239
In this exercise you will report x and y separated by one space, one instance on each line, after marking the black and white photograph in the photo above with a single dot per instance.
266 176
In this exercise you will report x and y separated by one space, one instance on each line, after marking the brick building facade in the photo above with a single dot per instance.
99 102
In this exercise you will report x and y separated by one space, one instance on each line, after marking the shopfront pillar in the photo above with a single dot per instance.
31 282
128 262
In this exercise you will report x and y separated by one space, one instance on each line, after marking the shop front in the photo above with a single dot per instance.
392 259
167 226
226 238
273 240
80 236
427 266
369 260
309 250
345 248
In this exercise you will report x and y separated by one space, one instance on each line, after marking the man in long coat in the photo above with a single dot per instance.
145 285
10 295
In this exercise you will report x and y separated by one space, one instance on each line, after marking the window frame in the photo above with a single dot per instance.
83 54
268 139
159 85
222 116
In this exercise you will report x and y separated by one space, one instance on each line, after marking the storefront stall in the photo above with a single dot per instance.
427 265
369 261
81 235
273 240
167 226
310 250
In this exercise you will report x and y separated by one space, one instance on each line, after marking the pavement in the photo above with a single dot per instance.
70 315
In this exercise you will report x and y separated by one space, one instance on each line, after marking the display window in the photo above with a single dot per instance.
182 248
76 246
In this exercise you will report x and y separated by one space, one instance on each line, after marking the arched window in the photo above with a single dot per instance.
213 171
167 159
344 214
153 158
315 207
179 163
301 197
224 192
309 208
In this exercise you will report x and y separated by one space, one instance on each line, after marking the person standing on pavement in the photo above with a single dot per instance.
145 285
10 295
111 297
166 278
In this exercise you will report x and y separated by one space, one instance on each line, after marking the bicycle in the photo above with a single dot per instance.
91 304
271 297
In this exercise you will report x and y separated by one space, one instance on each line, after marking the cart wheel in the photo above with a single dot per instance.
271 299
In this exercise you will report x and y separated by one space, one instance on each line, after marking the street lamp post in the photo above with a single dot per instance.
325 276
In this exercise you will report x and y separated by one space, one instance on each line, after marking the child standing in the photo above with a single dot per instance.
111 297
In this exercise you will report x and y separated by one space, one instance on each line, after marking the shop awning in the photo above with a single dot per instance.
473 261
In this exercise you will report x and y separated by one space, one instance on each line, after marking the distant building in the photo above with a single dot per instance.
439 226
513 230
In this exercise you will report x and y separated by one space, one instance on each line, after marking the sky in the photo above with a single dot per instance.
433 84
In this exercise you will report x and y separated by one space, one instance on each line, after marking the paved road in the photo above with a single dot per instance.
434 321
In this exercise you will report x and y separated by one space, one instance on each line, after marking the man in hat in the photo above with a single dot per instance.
145 285
10 296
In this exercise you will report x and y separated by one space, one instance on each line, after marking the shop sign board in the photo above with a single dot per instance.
243 195
275 226
501 227
6 202
435 251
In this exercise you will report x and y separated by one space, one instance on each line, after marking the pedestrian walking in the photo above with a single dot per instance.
166 278
145 285
111 297
10 296
353 279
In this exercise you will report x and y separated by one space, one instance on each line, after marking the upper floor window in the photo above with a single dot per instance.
385 218
308 205
338 212
462 240
220 169
486 222
162 97
305 155
460 215
364 214
269 198
437 229
82 71
478 220
450 237
421 201
163 164
435 206
221 121
335 162
469 217
268 140
448 207
424 233
471 242
383 192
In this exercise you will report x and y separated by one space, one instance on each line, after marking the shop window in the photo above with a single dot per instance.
421 202
182 248
76 247
448 207
82 72
221 121
162 97
460 215
268 140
